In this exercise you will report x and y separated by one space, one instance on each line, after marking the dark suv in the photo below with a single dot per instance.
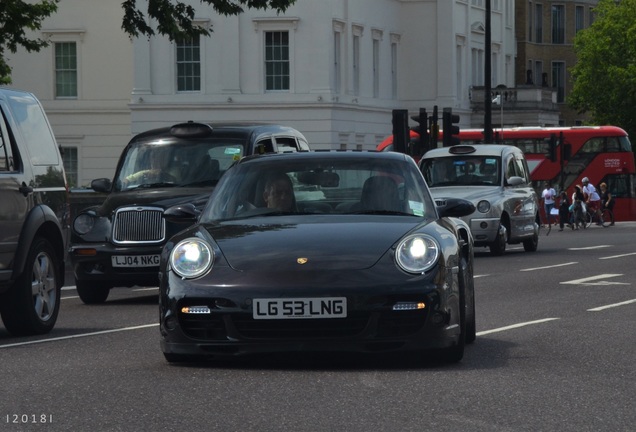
119 242
33 216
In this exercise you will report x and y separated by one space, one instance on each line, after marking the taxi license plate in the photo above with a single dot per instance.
135 260
283 308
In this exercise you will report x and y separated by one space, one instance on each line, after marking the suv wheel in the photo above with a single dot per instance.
498 246
32 305
92 292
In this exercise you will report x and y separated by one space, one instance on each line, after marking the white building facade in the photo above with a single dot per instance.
334 69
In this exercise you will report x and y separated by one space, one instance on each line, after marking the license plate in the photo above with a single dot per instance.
321 307
135 260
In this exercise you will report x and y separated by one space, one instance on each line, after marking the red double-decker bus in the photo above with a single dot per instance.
601 153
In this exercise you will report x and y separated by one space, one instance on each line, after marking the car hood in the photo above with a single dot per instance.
162 198
353 245
470 193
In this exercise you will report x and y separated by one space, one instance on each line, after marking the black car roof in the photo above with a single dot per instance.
236 129
331 154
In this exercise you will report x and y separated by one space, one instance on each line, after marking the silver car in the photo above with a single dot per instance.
496 179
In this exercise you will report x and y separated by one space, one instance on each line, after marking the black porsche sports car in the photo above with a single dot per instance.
330 251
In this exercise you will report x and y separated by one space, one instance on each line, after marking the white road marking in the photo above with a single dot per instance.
550 266
591 247
600 308
618 256
588 280
514 326
79 335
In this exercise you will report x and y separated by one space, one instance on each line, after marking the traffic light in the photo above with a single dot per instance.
400 130
552 148
420 145
566 149
450 129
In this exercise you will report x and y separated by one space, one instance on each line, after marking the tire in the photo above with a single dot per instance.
498 246
467 286
32 305
92 292
455 353
532 244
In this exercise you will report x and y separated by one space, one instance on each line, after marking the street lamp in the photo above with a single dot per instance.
499 101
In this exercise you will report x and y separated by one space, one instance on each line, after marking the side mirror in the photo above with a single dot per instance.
454 207
515 181
101 185
181 213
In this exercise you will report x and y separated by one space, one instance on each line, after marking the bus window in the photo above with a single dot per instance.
593 145
625 145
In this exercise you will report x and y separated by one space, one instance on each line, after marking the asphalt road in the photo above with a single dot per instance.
555 351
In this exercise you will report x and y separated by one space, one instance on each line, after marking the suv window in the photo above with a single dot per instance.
35 130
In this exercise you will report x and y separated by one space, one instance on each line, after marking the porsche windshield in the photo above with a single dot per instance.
320 185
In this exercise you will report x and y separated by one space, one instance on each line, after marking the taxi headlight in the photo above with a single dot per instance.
417 253
191 258
483 206
83 223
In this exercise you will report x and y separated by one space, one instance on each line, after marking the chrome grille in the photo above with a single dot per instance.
144 225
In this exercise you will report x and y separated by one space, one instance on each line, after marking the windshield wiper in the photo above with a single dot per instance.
200 183
154 185
380 212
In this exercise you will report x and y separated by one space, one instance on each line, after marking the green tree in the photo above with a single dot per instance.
16 18
172 18
605 73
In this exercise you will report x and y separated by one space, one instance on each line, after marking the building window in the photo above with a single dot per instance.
65 70
356 65
530 21
394 70
337 52
478 66
69 158
579 17
538 72
188 64
558 80
558 24
538 23
376 68
277 69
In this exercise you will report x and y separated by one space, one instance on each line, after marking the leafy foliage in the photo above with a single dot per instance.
16 18
605 74
174 18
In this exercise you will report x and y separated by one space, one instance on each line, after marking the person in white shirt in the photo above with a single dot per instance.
592 199
548 196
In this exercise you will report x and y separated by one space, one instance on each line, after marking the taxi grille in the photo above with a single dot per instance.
139 225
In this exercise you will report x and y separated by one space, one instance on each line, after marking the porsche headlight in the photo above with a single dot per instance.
483 206
83 223
191 258
417 253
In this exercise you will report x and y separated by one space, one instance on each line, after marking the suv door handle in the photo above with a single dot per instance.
25 190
